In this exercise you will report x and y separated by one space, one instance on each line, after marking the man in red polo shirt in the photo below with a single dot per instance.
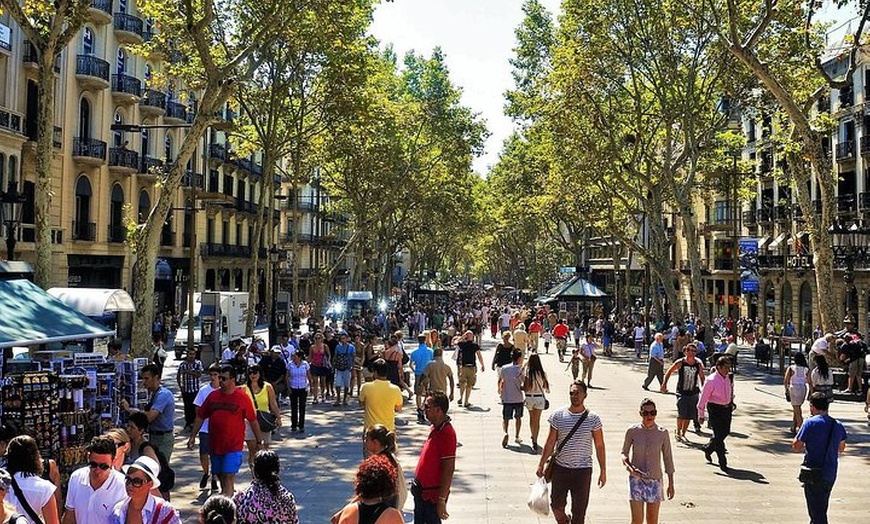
434 473
560 333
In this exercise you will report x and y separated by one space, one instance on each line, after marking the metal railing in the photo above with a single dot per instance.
89 65
167 238
151 165
748 217
84 231
845 149
846 203
176 110
215 249
153 98
89 147
116 234
122 157
218 151
129 23
131 85
102 5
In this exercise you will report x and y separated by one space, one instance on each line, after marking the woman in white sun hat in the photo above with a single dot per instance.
140 479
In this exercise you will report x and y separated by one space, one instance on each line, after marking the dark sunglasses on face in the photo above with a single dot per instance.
646 413
94 465
253 372
134 481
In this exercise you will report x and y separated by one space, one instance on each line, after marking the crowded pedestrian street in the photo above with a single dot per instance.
492 484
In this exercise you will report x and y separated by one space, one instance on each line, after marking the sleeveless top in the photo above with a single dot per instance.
688 379
369 514
262 403
799 375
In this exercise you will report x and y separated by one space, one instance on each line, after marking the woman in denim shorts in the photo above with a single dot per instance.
649 446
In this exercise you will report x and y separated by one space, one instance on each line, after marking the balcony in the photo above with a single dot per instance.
123 160
176 113
190 179
100 11
126 89
11 121
782 213
128 28
151 166
846 204
846 150
153 103
167 238
749 217
116 234
723 264
765 215
226 119
864 201
796 210
92 73
89 151
84 231
213 249
218 152
30 58
771 261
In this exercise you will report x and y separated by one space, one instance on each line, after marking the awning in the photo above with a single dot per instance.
778 240
31 317
93 302
763 242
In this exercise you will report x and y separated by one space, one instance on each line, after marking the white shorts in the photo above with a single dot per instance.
342 379
534 402
249 433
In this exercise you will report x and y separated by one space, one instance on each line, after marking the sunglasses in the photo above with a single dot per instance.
647 413
136 482
95 465
253 372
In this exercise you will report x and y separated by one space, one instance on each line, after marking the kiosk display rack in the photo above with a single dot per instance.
30 402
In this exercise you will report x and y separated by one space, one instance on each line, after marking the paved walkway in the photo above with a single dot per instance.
492 484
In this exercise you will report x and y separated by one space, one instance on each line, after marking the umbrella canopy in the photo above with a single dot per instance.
31 316
575 288
93 302
433 287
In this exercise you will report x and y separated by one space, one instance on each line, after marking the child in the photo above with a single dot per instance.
547 337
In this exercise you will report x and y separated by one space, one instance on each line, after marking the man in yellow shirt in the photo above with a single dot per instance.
380 398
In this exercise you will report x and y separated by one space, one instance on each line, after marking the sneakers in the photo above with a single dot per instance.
203 482
518 440
214 483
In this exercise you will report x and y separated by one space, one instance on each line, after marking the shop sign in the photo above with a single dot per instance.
799 262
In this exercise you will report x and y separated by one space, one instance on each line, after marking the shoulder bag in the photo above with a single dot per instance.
24 503
548 466
268 421
812 475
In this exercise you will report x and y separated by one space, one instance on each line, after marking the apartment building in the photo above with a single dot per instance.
105 179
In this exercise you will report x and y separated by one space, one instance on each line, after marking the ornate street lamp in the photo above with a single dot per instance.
13 203
274 257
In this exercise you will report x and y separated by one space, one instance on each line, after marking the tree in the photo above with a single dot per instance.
782 47
49 27
216 46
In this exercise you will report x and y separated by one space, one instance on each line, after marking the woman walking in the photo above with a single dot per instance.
795 382
536 386
821 379
266 501
263 395
649 446
25 466
320 359
298 380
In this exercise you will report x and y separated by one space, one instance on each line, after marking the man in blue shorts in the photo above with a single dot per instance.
226 410
510 388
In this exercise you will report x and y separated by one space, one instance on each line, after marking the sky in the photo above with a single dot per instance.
477 37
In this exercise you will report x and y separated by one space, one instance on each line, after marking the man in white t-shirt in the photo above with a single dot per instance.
95 489
214 374
639 335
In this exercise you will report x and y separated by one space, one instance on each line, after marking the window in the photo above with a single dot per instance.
117 136
122 6
116 214
3 184
122 61
81 226
144 206
147 73
84 118
722 212
88 42
146 143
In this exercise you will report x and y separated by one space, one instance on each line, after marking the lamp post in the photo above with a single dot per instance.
849 246
13 204
274 256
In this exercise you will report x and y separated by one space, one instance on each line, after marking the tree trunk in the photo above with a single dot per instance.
267 188
44 151
690 229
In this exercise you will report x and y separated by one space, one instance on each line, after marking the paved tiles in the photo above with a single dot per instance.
492 484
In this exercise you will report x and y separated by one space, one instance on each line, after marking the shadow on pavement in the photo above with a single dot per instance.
745 474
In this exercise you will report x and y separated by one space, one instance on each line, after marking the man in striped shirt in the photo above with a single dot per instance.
572 466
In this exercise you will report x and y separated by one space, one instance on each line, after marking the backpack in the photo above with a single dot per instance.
167 474
340 361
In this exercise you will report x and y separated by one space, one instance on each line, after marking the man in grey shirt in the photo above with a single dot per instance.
510 388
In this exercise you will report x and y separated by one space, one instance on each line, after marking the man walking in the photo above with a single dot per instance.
691 377
572 464
437 375
822 438
214 384
226 410
274 369
95 489
160 410
381 399
189 371
434 473
718 398
468 351
656 367
419 359
560 333
342 360
510 388
587 359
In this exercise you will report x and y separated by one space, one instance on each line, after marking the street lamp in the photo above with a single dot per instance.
13 204
850 246
274 256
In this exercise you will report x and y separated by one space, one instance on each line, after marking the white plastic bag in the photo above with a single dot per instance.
539 498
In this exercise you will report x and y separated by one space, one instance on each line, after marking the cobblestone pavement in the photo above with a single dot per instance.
491 484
